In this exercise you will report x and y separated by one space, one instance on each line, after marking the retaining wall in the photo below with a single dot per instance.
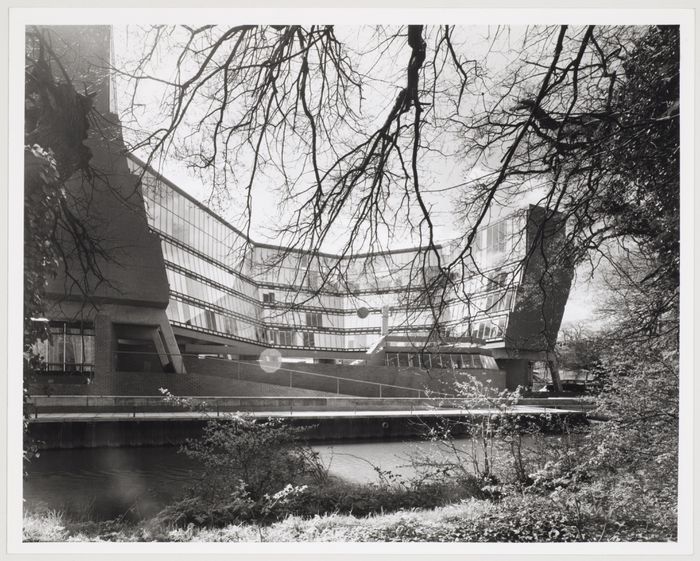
217 377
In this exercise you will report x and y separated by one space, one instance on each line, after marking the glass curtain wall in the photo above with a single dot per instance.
224 284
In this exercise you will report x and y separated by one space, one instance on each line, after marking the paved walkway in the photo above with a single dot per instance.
182 415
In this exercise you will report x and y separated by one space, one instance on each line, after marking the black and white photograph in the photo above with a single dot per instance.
351 280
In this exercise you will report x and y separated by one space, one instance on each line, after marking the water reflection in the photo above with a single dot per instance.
107 483
135 483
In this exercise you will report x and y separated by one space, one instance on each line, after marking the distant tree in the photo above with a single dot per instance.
580 350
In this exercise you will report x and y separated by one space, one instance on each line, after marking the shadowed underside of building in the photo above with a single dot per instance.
185 300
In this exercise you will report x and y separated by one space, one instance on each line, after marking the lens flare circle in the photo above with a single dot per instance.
270 360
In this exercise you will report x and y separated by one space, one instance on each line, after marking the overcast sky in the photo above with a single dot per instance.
497 49
443 176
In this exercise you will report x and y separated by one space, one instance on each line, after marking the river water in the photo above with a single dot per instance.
107 483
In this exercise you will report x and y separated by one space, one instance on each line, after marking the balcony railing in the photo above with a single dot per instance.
66 368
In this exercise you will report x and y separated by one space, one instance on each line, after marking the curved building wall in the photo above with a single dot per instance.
222 283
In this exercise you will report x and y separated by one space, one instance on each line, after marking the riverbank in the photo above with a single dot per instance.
504 487
395 509
470 520
441 524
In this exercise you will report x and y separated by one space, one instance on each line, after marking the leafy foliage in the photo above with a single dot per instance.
512 520
249 469
263 455
262 471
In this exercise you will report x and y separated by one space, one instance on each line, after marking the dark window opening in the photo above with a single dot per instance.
286 337
140 348
314 319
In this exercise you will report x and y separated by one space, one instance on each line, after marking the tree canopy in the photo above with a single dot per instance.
349 126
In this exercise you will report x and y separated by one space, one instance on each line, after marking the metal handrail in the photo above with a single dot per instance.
128 403
250 397
581 401
379 385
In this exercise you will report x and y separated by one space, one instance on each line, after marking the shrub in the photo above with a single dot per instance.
250 470
240 455
368 499
262 471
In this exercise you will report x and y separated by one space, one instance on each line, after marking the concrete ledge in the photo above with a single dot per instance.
137 405
100 430
174 415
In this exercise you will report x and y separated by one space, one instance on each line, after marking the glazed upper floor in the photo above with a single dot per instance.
323 279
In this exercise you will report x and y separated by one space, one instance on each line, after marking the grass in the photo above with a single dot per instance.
335 510
440 524
45 527
514 519
332 496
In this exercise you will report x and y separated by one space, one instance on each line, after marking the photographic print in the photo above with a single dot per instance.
351 282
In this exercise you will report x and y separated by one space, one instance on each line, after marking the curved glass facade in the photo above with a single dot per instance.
224 284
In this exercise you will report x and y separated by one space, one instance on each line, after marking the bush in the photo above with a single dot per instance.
515 519
242 457
262 471
328 497
364 500
250 470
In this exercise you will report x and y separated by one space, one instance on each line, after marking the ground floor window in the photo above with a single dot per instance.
70 348
439 360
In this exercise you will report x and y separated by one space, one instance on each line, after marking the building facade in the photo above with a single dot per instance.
180 281
232 296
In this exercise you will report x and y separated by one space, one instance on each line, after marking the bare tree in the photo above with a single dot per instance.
557 125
